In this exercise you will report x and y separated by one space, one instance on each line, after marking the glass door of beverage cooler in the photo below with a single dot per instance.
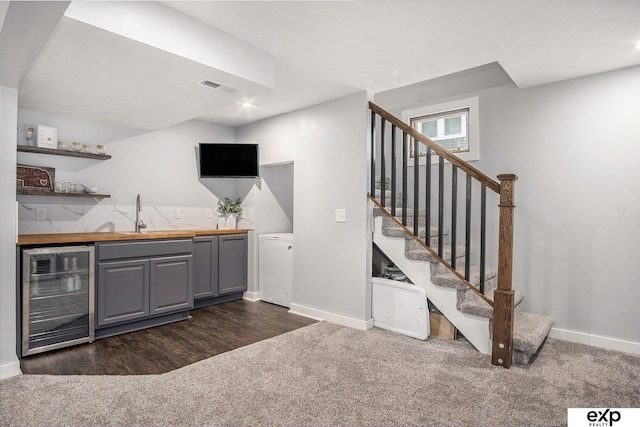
57 297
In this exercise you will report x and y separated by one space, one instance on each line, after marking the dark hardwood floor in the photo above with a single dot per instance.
210 331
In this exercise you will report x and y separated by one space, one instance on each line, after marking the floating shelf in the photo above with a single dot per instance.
38 150
23 192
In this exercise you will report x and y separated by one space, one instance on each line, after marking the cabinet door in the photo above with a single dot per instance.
171 284
205 267
122 291
232 264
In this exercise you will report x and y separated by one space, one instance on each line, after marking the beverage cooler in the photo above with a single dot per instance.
57 297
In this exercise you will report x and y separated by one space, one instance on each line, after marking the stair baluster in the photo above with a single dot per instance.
383 163
373 154
404 178
467 241
393 169
483 235
427 199
416 186
454 215
440 205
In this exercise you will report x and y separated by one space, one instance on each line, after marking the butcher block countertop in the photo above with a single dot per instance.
52 238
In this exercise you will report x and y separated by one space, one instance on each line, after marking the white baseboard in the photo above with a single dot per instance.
314 313
596 341
10 370
252 296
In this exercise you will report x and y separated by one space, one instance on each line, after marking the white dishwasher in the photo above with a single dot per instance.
276 268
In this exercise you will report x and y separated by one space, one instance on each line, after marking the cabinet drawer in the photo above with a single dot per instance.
123 250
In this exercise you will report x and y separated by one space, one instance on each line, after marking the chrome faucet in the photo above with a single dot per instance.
139 223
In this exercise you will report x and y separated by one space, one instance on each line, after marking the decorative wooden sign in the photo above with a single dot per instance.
35 178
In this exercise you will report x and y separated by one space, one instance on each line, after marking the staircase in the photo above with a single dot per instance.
463 307
477 299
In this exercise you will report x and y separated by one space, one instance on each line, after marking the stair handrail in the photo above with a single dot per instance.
503 303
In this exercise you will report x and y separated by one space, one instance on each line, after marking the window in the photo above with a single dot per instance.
453 125
449 129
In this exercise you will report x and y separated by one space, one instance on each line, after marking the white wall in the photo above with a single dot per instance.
276 202
332 270
9 364
574 146
328 144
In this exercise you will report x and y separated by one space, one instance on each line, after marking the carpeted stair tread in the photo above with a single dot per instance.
378 180
422 254
530 330
410 218
391 229
413 245
387 194
422 221
378 212
421 213
397 231
470 303
447 279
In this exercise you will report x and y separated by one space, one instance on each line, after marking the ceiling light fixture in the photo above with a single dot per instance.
246 104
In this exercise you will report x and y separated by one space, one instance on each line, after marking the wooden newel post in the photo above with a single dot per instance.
502 347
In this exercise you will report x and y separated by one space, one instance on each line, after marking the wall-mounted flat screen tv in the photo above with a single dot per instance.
229 160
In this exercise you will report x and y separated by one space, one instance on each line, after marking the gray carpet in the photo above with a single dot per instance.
325 375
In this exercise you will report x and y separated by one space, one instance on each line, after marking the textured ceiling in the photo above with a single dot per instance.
324 50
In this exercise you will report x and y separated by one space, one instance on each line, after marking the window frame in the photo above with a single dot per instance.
440 119
473 134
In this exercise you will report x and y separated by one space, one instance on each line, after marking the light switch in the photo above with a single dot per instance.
341 215
177 213
209 213
41 214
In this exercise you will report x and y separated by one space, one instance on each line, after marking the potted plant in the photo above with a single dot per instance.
228 211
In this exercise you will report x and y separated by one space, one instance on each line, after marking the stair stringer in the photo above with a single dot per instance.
474 328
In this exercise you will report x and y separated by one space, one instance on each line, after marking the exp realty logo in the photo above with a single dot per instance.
603 417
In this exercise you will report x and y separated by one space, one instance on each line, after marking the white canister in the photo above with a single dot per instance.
70 285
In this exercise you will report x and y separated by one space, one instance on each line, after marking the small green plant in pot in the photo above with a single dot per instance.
229 207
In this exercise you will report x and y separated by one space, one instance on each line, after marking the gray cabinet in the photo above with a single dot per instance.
170 290
142 279
220 268
122 291
205 272
232 264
